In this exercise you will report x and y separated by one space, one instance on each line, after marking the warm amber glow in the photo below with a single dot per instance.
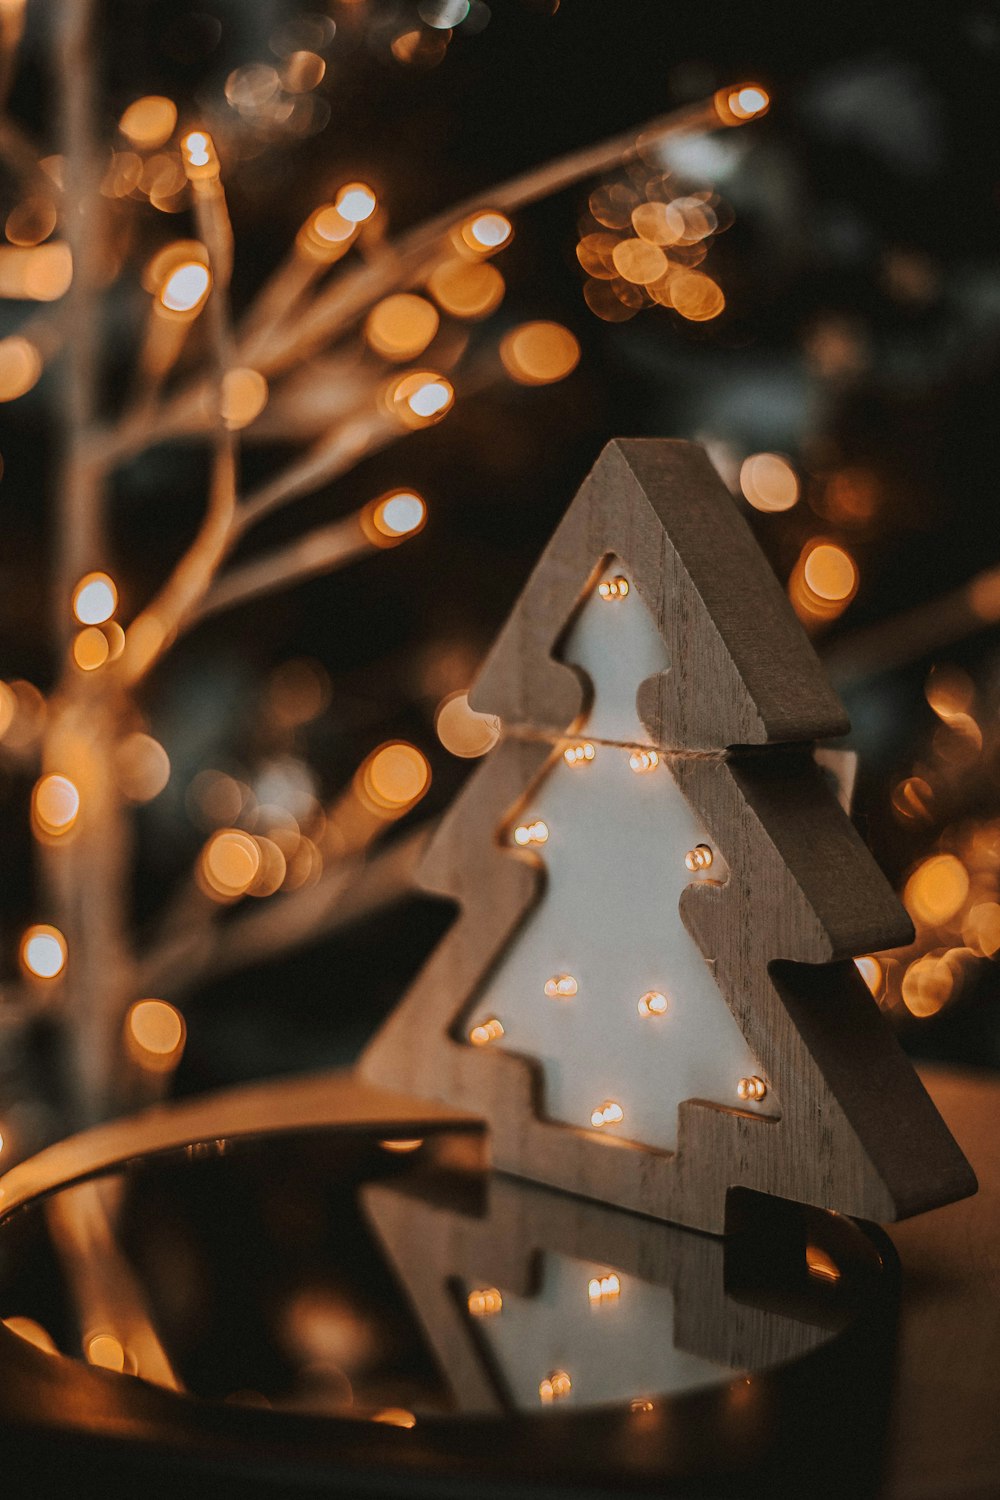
872 973
41 273
91 649
31 221
821 1265
561 987
608 1113
641 1406
149 122
466 289
485 1303
43 952
394 777
356 202
747 102
486 1032
8 707
912 799
105 1351
829 572
402 1147
199 157
155 1033
391 518
555 1386
243 397
699 858
229 864
95 599
303 71
613 588
639 261
461 730
696 296
539 353
937 890
653 1003
769 482
641 761
751 1089
604 1288
32 1333
982 928
927 985
326 235
395 1416
186 288
55 804
486 232
401 326
421 398
531 833
142 767
579 755
20 367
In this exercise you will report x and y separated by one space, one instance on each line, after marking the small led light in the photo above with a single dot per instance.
356 202
579 755
395 1416
487 232
555 1386
95 599
561 987
821 1265
751 1089
652 1003
199 156
602 1288
608 1113
486 1302
43 952
613 588
487 1031
699 858
402 1147
531 833
643 760
640 1405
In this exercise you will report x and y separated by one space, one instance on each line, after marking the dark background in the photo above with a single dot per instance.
867 213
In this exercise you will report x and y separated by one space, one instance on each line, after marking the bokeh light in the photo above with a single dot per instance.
91 648
393 778
696 296
20 367
229 864
401 326
466 289
356 202
142 767
243 397
155 1034
461 730
149 122
936 890
186 288
486 232
55 804
43 951
95 599
421 398
539 353
394 516
769 482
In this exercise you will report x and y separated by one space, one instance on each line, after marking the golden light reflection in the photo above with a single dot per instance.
461 730
539 353
555 1387
653 1003
95 599
395 1416
769 482
356 202
32 1332
186 288
421 398
561 987
393 778
823 582
55 804
936 890
821 1265
608 1113
43 951
912 799
927 985
149 122
696 296
106 1352
466 289
485 1302
20 367
401 326
229 864
486 232
142 767
155 1033
90 648
486 1032
243 397
604 1288
402 1146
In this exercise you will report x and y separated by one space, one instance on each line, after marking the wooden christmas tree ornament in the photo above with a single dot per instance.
649 991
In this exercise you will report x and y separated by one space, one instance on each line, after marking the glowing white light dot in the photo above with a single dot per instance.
608 1113
750 1090
95 599
531 833
356 202
653 1003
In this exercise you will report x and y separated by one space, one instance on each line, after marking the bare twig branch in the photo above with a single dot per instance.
321 551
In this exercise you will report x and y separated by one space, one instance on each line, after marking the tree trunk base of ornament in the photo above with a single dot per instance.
317 1287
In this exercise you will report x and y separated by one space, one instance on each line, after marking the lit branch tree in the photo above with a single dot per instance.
286 369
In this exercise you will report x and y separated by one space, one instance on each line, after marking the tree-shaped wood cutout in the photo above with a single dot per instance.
649 992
